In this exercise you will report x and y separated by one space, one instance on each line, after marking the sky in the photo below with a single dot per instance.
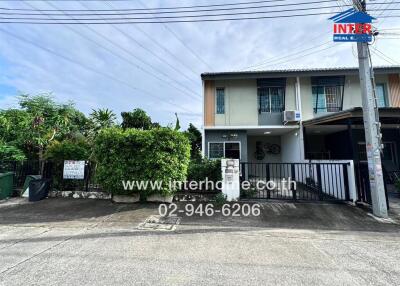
157 67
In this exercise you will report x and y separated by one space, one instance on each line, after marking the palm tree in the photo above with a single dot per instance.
102 118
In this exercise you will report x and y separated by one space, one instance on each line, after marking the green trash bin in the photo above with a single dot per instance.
6 185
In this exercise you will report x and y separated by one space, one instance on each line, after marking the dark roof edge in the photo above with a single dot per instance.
295 72
348 113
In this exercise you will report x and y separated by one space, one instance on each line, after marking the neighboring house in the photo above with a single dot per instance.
244 114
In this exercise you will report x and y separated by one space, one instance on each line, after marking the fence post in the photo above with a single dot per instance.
293 173
87 175
319 183
267 178
346 182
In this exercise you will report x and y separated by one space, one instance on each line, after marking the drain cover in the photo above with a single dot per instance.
156 222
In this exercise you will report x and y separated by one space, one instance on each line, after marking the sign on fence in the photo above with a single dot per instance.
74 170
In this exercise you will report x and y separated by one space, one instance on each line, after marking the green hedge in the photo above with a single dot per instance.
201 169
68 150
142 155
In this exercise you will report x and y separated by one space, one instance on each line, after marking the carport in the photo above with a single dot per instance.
340 136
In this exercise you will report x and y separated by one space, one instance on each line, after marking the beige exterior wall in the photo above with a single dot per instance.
240 103
241 106
351 96
306 98
290 94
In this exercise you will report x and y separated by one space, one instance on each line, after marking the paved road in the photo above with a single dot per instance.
81 242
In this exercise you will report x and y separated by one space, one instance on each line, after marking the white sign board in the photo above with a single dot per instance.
74 170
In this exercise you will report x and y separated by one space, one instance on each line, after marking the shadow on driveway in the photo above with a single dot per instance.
283 215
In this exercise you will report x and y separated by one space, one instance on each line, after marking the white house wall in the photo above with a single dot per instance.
291 147
269 158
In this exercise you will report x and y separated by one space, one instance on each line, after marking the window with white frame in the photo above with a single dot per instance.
271 95
271 99
327 93
229 150
381 95
220 100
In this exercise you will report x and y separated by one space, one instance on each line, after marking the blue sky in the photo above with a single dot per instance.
106 66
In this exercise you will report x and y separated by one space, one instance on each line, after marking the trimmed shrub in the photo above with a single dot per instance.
68 150
160 155
199 170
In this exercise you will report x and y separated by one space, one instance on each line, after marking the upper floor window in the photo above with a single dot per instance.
381 95
271 95
327 93
220 98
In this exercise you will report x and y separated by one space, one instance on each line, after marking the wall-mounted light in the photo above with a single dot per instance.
233 135
267 132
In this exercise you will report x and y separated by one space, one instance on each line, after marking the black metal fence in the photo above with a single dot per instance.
313 181
51 170
363 183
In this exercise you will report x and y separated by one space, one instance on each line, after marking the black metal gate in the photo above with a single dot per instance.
295 181
363 183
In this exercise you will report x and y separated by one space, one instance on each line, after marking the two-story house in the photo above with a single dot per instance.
244 114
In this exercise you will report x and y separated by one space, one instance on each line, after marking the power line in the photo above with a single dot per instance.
126 59
157 8
149 51
266 61
383 55
123 20
177 17
175 21
161 46
116 79
124 12
193 52
304 55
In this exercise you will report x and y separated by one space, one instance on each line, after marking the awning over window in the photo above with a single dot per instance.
271 82
327 80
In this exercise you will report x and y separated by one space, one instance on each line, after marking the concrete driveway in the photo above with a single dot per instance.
88 242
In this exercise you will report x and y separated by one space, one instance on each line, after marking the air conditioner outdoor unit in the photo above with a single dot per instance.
291 116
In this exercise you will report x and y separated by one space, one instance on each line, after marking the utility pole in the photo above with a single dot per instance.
371 125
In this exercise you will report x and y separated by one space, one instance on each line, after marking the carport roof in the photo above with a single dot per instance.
355 113
295 72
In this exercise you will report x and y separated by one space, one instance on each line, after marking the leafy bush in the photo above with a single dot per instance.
248 194
68 150
220 199
201 169
397 184
141 155
11 153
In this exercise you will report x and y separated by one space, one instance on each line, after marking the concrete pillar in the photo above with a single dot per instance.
230 179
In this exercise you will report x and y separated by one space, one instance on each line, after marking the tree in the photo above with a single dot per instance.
194 136
177 124
137 119
11 153
39 121
48 120
102 118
